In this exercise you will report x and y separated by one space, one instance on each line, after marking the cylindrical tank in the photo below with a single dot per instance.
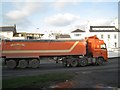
36 48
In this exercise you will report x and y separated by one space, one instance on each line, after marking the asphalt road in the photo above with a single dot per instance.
48 66
89 76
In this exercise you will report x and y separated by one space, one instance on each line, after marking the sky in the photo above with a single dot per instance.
64 16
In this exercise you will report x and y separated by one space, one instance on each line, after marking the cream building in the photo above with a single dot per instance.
78 34
110 34
7 31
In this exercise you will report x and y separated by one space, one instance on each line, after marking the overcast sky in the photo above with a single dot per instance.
57 15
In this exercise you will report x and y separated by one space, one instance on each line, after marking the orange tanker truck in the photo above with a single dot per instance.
28 53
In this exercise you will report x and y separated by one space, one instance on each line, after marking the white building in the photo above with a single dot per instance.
7 31
78 34
109 34
48 36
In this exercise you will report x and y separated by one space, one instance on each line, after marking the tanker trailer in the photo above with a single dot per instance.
27 53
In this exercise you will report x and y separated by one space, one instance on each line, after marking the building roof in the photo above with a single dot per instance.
102 29
102 26
78 30
8 28
29 33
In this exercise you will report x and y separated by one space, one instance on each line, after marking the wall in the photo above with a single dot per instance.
18 37
8 34
81 35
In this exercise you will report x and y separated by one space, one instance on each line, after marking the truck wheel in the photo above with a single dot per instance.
74 63
23 64
83 62
34 63
100 61
11 64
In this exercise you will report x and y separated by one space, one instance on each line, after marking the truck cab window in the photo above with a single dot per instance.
103 46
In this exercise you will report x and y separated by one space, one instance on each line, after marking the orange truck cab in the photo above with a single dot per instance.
96 48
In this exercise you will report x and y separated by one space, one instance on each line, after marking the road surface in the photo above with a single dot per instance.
89 76
48 66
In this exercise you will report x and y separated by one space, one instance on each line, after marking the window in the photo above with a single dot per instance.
102 36
77 34
19 35
115 44
103 46
22 35
108 36
115 36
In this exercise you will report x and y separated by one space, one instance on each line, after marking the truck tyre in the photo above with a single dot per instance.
100 61
11 64
83 62
74 63
34 63
23 64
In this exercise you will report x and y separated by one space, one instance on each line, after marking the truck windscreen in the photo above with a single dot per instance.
103 46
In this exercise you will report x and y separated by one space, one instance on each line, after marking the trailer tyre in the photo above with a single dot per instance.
23 64
34 63
11 64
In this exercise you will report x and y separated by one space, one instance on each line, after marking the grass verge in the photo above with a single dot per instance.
38 81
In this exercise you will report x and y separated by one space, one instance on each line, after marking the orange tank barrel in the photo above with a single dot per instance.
36 48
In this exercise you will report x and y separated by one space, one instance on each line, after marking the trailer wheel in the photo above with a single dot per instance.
74 63
100 61
23 64
34 63
11 64
83 62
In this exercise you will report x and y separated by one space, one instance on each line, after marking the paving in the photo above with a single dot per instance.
85 77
